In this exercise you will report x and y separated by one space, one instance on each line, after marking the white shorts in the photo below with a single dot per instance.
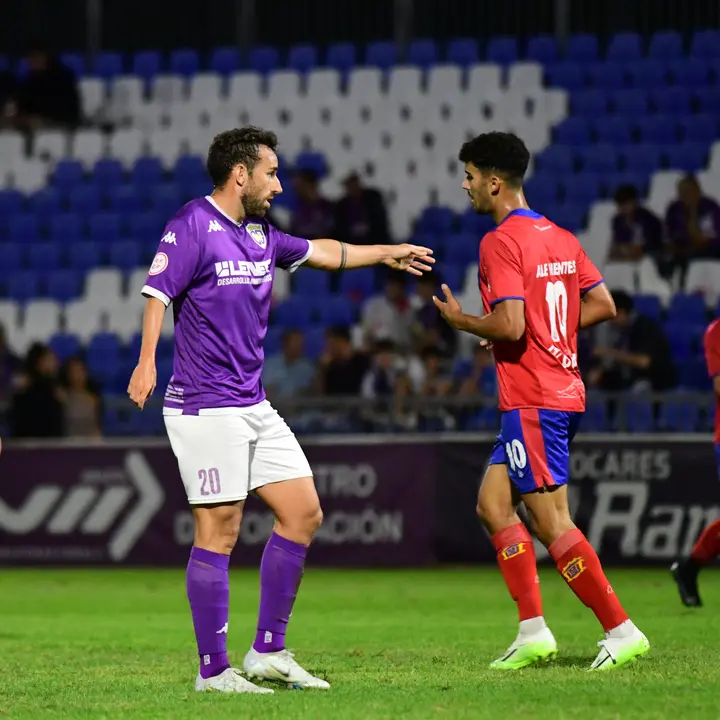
225 453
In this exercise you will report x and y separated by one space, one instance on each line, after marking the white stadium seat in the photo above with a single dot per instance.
483 79
663 190
10 321
125 319
283 89
167 90
323 86
621 276
244 89
126 145
704 277
126 96
12 147
525 76
41 320
103 288
93 97
88 146
83 318
29 175
50 145
650 282
205 90
166 145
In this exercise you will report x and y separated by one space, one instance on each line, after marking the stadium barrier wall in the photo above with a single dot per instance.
403 501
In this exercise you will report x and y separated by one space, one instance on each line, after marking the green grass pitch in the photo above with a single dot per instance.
119 644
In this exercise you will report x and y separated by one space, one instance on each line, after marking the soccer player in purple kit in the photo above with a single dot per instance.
215 264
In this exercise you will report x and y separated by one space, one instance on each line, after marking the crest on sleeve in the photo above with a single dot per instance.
256 232
159 263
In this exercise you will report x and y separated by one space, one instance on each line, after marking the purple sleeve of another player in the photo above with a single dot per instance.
175 263
290 251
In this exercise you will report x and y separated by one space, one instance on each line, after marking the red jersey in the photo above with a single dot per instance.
711 343
529 258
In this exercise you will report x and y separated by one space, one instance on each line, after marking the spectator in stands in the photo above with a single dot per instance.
289 373
635 230
37 410
635 355
48 95
314 216
405 415
361 216
437 381
380 378
9 368
389 316
428 327
81 400
342 369
477 378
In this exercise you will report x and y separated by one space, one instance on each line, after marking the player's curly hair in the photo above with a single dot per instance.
501 153
240 146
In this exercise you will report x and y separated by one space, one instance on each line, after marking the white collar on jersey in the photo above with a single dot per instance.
221 211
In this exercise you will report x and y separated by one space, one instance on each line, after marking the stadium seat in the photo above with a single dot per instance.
308 283
74 62
337 310
303 58
502 50
43 256
614 130
665 46
108 65
68 173
124 199
659 130
699 128
689 157
463 52
44 203
639 417
341 57
10 258
65 345
625 47
125 255
541 191
64 285
647 75
358 284
672 101
708 100
568 76
590 104
83 256
23 286
185 62
84 200
104 228
684 338
584 188
573 132
264 59
556 159
543 49
630 103
107 173
688 309
436 220
381 54
225 60
582 49
607 76
423 53
691 73
66 228
146 173
146 64
11 203
23 229
705 44
600 158
292 313
461 249
642 158
649 306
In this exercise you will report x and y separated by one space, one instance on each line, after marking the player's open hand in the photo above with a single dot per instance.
142 383
450 309
413 259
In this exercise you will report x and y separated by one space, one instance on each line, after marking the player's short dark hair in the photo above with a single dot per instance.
499 152
623 300
626 193
240 146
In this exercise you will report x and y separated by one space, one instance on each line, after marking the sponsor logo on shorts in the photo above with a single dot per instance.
512 551
243 272
574 568
159 264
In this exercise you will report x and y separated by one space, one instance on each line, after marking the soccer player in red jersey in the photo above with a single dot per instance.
707 548
538 288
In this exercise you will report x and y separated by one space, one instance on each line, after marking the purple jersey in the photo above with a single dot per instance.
218 275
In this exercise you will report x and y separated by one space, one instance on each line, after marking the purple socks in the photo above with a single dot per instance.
208 591
281 571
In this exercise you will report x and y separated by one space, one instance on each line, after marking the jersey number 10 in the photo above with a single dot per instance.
556 296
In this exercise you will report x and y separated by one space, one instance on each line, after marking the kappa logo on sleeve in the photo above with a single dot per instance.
170 239
159 264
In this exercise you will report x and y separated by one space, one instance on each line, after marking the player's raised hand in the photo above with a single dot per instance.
413 259
142 383
450 309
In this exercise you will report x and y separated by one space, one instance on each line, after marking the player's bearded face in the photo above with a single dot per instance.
262 184
478 190
256 201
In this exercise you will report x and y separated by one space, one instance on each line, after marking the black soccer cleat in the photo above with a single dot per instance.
685 574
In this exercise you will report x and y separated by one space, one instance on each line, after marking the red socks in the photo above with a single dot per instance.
580 567
516 557
707 547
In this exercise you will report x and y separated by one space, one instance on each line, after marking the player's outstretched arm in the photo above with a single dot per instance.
597 306
144 377
337 255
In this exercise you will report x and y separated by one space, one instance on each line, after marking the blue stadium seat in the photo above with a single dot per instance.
666 46
631 103
381 54
10 258
700 128
649 306
105 345
573 132
303 58
358 284
658 130
68 174
627 177
453 275
595 418
683 338
66 228
567 76
292 313
607 76
689 157
541 189
165 200
463 51
74 62
11 203
582 49
105 370
264 59
687 309
64 285
502 50
147 226
125 255
189 169
644 159
107 173
694 374
705 44
461 249
436 220
273 340
83 255
555 159
600 158
337 310
42 256
625 47
65 345
647 75
341 57
584 188
185 62
615 130
309 283
679 416
124 199
108 65
315 342
84 200
690 73
639 416
708 100
147 64
569 216
314 161
146 173
423 53
672 101
477 225
590 104
46 202
225 60
434 241
104 228
23 286
543 49
24 229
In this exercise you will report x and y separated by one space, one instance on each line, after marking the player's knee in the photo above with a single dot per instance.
301 525
491 515
219 529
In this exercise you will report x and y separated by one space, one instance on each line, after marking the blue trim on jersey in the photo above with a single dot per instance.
507 297
521 212
594 285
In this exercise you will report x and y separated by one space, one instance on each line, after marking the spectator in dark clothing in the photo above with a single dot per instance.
361 216
9 368
635 230
693 223
637 355
37 409
314 216
342 369
48 95
429 329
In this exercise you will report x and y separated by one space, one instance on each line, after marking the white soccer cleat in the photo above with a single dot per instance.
618 651
527 650
280 667
229 681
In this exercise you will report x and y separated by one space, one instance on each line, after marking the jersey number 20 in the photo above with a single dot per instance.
556 297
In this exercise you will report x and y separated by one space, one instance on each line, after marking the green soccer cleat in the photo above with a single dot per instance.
616 652
527 650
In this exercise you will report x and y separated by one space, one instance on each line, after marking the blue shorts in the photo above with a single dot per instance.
535 446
